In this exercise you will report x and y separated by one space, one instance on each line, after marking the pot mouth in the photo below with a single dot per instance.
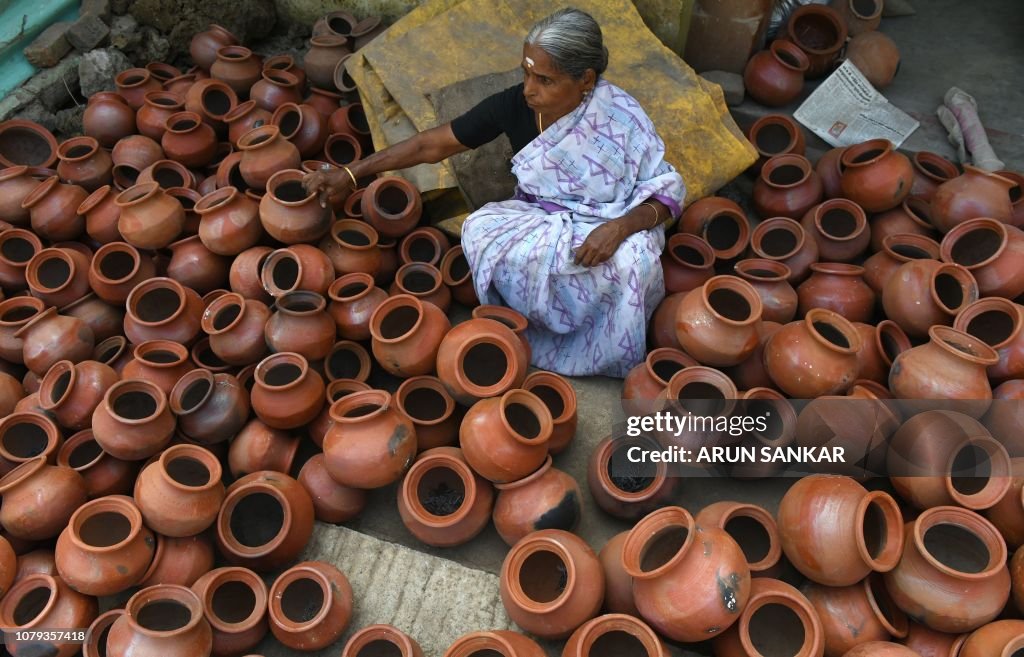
762 270
940 529
341 388
282 371
181 123
421 245
840 220
514 320
556 393
161 353
890 341
133 77
484 642
993 320
690 251
975 243
866 153
80 452
41 190
963 345
106 524
281 274
94 199
952 288
135 401
218 198
259 137
904 247
98 631
351 287
280 77
57 385
441 488
224 313
455 269
137 194
77 149
233 53
164 100
540 573
25 436
279 62
820 21
342 80
254 541
702 391
190 468
52 270
833 331
934 166
642 481
978 473
485 364
755 522
293 591
776 611
328 41
786 234
288 117
240 586
884 608
773 135
288 182
162 71
732 300
361 406
345 356
342 149
422 392
391 198
663 363
23 603
790 55
658 542
786 171
525 417
397 318
354 208
837 268
355 235
18 247
239 111
191 391
880 531
150 302
919 209
164 610
386 634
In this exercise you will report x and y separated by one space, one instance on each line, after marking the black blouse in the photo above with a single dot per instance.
504 112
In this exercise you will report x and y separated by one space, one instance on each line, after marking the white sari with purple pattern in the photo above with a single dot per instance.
591 166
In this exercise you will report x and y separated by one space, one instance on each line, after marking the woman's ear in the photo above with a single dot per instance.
589 79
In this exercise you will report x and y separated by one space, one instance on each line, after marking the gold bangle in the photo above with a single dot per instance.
355 185
657 214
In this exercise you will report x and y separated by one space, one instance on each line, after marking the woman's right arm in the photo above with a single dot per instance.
427 147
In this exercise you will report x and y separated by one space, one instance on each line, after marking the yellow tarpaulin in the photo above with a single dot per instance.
443 42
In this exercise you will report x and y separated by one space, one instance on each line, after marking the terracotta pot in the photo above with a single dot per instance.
48 338
179 561
551 583
174 179
209 407
332 502
351 120
392 206
384 637
855 614
204 45
775 76
243 118
1002 417
63 607
230 222
820 32
775 134
427 403
352 247
28 143
897 250
101 215
39 561
323 100
703 391
95 644
287 393
859 531
289 214
236 328
480 358
442 502
353 208
505 438
618 594
53 210
58 276
997 322
499 642
244 275
926 642
769 280
1016 197
546 499
115 352
11 392
166 620
150 218
300 267
340 23
213 100
784 240
560 398
687 263
717 323
722 225
264 152
73 391
39 499
131 156
84 163
103 474
1002 637
370 444
930 171
406 335
923 293
302 125
301 324
974 193
426 244
107 119
457 275
180 493
823 342
622 489
353 300
258 447
151 119
310 606
388 260
950 549
951 366
662 557
133 423
163 309
839 287
787 187
754 530
987 248
17 247
265 521
875 176
645 382
367 30
322 58
196 267
188 140
16 183
624 631
776 615
182 83
510 318
912 216
840 228
161 362
880 345
133 85
27 436
342 149
234 602
286 63
162 71
237 67
103 319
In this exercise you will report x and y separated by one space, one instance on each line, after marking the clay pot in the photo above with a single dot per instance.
115 352
103 319
213 100
237 67
264 152
17 248
510 318
332 502
230 222
73 391
174 179
323 100
551 583
367 30
457 275
855 614
861 16
406 335
103 474
480 358
235 326
107 118
687 263
150 218
258 447
1002 637
84 163
896 250
560 398
11 392
988 249
244 275
53 210
383 637
787 187
196 267
179 561
839 287
951 366
499 642
820 32
823 342
342 149
105 548
243 118
162 309
717 323
388 260
301 124
426 244
48 338
621 488
36 561
210 407
180 84
875 176
645 382
39 499
62 607
95 644
235 604
161 362
151 119
392 205
310 606
300 324
204 45
769 280
1016 197
26 436
930 171
662 556
722 225
180 493
16 183
351 120
912 216
322 58
840 228
442 502
58 276
836 533
28 143
754 530
133 423
923 293
287 393
505 438
775 76
300 267
926 642
134 84
624 631
131 156
997 322
340 23
161 620
784 240
880 345
188 140
1002 417
289 214
951 549
776 615
618 594
974 193
353 300
286 63
101 215
427 403
546 499
347 360
276 514
352 247
353 207
370 444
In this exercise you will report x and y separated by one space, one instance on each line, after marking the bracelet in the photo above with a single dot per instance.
657 214
355 185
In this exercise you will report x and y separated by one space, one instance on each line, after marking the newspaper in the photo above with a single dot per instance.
846 110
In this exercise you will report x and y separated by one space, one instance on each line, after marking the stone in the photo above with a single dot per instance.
731 84
88 32
53 88
50 46
99 8
120 7
124 33
153 47
35 111
68 122
180 20
98 68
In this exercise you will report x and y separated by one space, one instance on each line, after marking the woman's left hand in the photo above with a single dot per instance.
600 244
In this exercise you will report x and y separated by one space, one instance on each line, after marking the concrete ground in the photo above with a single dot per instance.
439 594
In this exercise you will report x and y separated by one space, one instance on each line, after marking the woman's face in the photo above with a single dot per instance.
548 91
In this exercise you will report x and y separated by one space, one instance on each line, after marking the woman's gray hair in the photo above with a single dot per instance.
572 38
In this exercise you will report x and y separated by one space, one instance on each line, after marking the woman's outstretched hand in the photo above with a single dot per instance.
600 244
332 186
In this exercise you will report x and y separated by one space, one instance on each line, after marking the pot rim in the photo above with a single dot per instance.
68 144
795 602
120 504
431 460
345 280
338 75
231 501
469 644
889 556
53 436
859 217
217 199
786 159
358 148
738 286
999 478
221 576
52 253
162 70
267 276
603 456
780 271
992 175
779 120
697 243
382 399
544 468
18 170
141 349
349 385
761 516
73 443
419 383
143 73
271 62
21 472
852 152
181 387
298 572
495 337
968 521
135 385
102 623
448 261
148 190
821 11
560 385
148 285
837 268
926 244
392 303
991 304
385 182
959 231
703 374
647 529
790 48
169 124
516 559
507 316
239 111
922 158
896 333
595 628
353 347
291 175
217 305
45 313
428 233
233 53
27 236
283 357
279 113
361 227
40 190
245 142
776 223
46 400
94 199
672 354
869 583
533 403
178 594
298 296
29 583
381 632
968 285
942 335
328 41
837 321
151 97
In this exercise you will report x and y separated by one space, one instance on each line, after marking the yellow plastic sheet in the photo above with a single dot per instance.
443 42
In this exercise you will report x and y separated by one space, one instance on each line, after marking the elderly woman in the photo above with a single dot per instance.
576 249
